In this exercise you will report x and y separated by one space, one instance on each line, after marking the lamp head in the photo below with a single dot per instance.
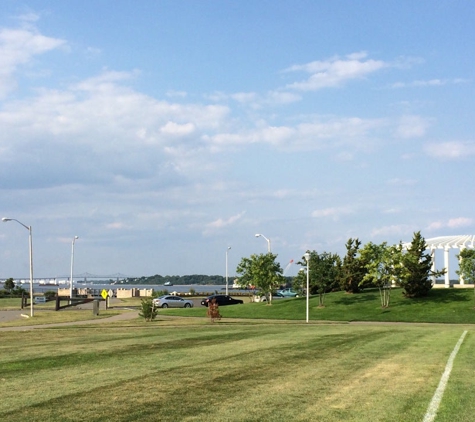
258 235
5 219
307 256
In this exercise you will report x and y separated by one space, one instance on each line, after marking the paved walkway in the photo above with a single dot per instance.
14 315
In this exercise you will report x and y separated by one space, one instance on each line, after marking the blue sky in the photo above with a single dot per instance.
162 132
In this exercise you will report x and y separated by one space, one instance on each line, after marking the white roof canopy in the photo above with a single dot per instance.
445 242
457 242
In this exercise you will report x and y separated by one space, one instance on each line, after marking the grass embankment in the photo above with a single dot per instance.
232 371
454 306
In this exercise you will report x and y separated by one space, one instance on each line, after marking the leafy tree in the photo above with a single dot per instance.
416 269
383 265
148 311
9 285
324 273
467 266
353 268
261 271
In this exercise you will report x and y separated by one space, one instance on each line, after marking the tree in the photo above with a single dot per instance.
352 268
416 269
324 272
261 271
9 285
382 267
467 266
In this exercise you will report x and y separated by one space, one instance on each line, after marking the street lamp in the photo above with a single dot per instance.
4 219
72 266
227 250
268 241
307 258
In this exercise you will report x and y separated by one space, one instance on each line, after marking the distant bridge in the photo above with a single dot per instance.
85 276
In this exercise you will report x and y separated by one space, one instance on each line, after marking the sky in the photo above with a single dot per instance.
163 132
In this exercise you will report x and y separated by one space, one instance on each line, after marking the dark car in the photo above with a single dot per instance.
221 300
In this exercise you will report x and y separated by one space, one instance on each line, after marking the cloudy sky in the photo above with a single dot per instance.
163 132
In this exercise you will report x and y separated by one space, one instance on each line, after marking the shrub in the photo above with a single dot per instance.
148 311
50 294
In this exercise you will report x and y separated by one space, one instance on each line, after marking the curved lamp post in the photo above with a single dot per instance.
4 219
307 258
227 250
268 241
72 266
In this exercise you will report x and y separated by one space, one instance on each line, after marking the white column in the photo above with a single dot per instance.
446 265
461 280
433 267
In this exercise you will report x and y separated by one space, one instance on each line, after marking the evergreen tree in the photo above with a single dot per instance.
416 269
352 269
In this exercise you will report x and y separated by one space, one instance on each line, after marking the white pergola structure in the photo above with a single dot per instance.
446 243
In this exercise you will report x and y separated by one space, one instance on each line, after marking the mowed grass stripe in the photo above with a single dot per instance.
458 402
269 372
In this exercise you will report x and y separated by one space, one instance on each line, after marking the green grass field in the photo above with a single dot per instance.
233 371
254 369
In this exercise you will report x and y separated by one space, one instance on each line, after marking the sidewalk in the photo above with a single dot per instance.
14 315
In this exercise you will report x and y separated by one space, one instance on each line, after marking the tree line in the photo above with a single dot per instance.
372 265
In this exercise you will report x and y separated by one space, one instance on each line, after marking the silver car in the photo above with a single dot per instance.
170 301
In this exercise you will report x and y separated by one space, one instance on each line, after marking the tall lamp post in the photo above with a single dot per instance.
227 250
307 258
4 219
72 266
268 241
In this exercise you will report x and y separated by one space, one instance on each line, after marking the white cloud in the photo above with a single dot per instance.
451 150
429 83
335 71
221 223
459 222
18 47
452 223
315 134
334 213
172 128
402 182
412 127
393 230
435 225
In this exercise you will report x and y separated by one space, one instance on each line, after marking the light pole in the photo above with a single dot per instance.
4 219
307 258
227 250
72 266
268 241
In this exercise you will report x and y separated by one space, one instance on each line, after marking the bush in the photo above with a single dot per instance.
148 311
50 294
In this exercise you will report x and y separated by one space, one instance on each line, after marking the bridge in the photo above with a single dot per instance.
85 276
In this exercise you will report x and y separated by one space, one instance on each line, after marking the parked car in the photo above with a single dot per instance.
222 300
274 296
170 301
288 293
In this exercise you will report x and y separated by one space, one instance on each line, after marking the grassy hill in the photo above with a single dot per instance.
454 306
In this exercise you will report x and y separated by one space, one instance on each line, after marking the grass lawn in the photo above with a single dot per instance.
455 306
191 370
